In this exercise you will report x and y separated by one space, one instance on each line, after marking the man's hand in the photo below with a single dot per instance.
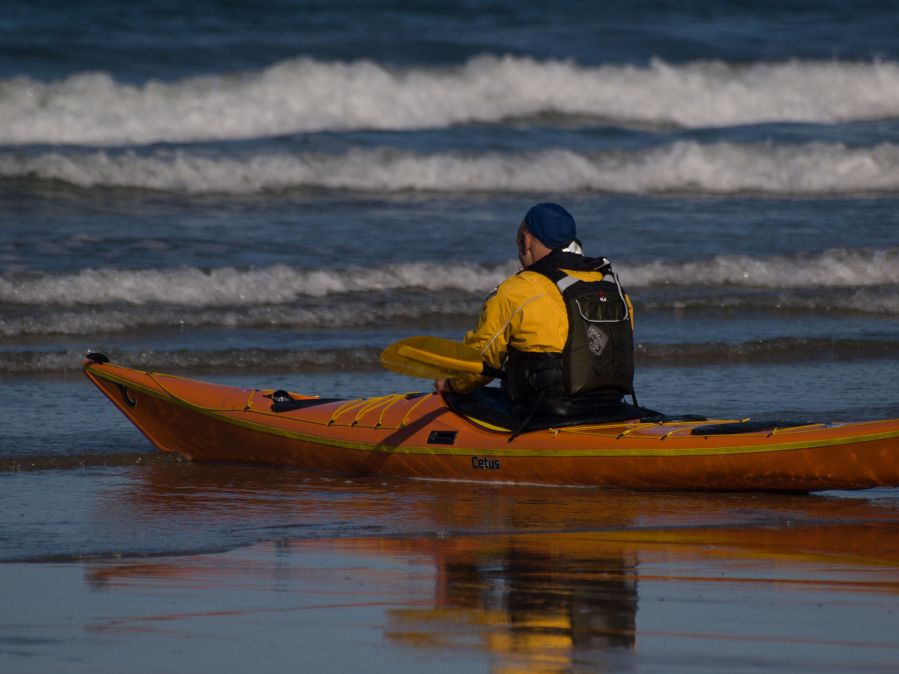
442 386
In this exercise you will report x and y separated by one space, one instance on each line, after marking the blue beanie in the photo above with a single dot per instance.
551 224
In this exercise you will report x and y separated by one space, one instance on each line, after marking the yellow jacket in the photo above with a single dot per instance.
526 312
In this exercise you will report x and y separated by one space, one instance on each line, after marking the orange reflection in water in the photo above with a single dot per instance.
538 601
547 580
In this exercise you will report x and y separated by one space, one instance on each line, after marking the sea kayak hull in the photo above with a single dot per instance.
417 435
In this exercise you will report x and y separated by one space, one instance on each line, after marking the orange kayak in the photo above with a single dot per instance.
418 435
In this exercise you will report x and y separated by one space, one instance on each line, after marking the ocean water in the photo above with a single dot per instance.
270 196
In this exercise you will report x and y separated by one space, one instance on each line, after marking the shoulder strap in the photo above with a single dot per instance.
565 282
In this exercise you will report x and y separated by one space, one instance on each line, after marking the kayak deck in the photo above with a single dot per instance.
418 435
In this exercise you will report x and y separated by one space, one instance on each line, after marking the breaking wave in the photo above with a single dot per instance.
305 95
108 301
410 313
230 287
812 169
345 314
836 268
281 284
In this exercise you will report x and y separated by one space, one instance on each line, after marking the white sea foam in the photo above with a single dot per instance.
303 94
230 287
283 285
837 268
686 166
104 319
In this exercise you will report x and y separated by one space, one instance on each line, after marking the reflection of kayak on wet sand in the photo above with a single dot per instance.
419 435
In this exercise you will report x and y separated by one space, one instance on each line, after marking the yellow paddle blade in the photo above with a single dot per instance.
431 358
435 359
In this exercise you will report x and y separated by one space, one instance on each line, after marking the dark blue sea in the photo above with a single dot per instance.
269 194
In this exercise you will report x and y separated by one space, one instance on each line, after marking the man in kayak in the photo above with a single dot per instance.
561 328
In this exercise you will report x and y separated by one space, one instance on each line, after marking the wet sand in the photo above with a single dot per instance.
633 601
468 578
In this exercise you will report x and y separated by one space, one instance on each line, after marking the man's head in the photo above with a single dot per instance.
545 227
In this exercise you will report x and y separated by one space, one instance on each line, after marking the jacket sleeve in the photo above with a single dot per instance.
500 316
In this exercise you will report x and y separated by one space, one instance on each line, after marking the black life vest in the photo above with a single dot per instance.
597 362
